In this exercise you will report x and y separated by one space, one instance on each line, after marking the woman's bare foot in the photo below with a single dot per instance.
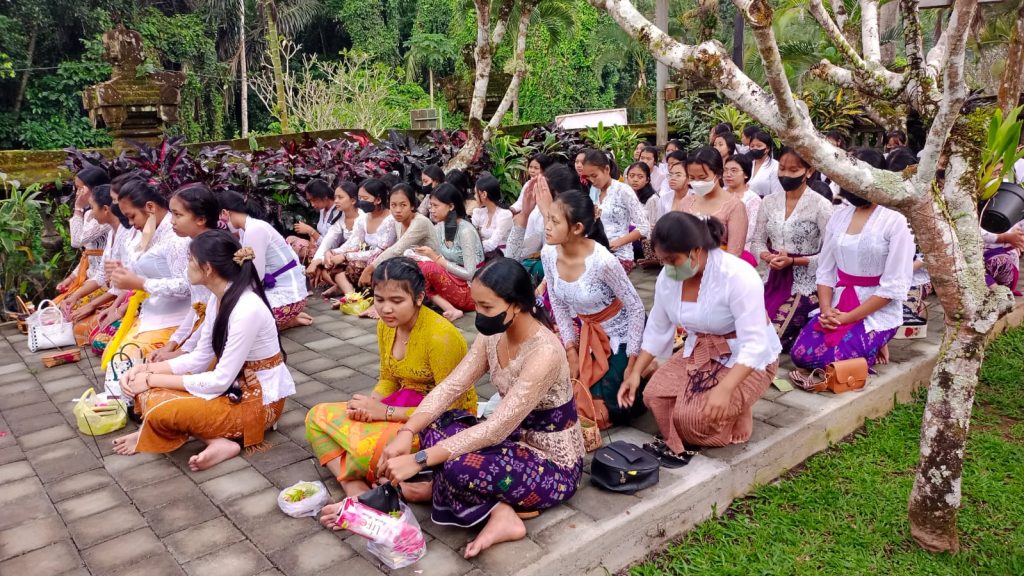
329 516
332 291
370 313
502 526
217 450
883 355
453 314
304 319
417 491
353 488
125 445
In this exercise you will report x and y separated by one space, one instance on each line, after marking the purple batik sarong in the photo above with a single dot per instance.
467 488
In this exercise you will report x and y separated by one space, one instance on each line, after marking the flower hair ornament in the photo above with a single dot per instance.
244 254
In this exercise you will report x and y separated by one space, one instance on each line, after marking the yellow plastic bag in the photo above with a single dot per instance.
97 417
355 303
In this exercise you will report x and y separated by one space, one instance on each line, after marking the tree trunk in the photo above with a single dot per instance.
29 57
1011 82
888 18
430 72
275 60
243 106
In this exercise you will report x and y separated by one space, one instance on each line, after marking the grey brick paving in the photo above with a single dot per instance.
72 507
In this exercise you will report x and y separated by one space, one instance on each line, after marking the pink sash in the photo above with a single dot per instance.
848 300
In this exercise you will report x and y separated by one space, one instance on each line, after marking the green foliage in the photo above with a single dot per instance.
371 26
845 512
23 266
52 116
509 159
688 119
1000 151
621 141
833 109
730 114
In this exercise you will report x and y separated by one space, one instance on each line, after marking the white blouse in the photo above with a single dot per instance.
184 336
765 179
252 335
115 250
802 233
324 223
494 228
752 202
335 236
88 234
602 281
363 246
884 247
164 266
273 253
731 299
525 242
619 210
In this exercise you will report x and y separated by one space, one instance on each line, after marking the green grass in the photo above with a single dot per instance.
846 512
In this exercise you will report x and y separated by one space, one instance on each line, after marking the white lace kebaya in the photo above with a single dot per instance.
802 233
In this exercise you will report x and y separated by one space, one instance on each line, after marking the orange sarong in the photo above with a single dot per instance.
595 346
81 277
170 417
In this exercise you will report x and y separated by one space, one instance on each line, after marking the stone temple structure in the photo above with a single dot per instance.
134 105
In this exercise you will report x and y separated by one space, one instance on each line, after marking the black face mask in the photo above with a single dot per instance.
757 153
491 325
852 198
790 183
366 206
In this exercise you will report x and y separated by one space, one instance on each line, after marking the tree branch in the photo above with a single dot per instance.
936 58
913 39
839 9
869 37
954 92
759 14
835 33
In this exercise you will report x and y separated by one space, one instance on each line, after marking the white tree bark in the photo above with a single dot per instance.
945 222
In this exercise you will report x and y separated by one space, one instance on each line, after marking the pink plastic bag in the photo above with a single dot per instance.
397 541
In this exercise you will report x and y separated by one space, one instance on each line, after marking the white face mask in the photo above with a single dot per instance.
702 187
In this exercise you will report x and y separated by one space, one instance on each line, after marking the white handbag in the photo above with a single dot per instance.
47 328
120 363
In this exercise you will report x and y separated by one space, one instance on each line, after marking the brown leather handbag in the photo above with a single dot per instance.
838 377
589 413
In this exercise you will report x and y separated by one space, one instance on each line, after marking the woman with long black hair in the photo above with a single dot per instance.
492 220
450 268
86 232
533 437
586 283
232 405
276 263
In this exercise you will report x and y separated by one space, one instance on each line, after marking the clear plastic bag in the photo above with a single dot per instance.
397 541
303 499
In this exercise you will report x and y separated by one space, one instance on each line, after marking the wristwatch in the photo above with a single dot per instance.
421 458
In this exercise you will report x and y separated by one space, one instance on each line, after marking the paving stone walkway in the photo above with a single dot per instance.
70 506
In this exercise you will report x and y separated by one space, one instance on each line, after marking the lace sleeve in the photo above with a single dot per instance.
329 239
465 375
85 231
385 239
532 385
514 244
637 215
612 274
176 284
822 215
355 239
759 239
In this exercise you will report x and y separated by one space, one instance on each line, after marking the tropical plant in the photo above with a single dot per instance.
509 160
730 115
619 141
688 120
557 143
833 109
1001 151
430 51
24 267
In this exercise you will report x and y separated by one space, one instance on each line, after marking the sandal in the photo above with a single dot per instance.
666 457
805 381
526 515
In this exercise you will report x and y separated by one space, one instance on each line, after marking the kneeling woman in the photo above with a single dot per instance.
232 405
705 394
418 349
864 272
279 271
532 442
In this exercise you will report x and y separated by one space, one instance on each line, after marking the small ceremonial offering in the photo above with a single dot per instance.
302 499
355 303
395 538
61 357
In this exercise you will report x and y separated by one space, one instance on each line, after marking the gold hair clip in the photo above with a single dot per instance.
244 254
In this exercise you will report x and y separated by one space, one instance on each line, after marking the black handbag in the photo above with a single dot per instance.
383 498
623 467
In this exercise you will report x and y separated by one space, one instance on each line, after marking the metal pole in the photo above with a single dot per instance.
661 21
737 40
